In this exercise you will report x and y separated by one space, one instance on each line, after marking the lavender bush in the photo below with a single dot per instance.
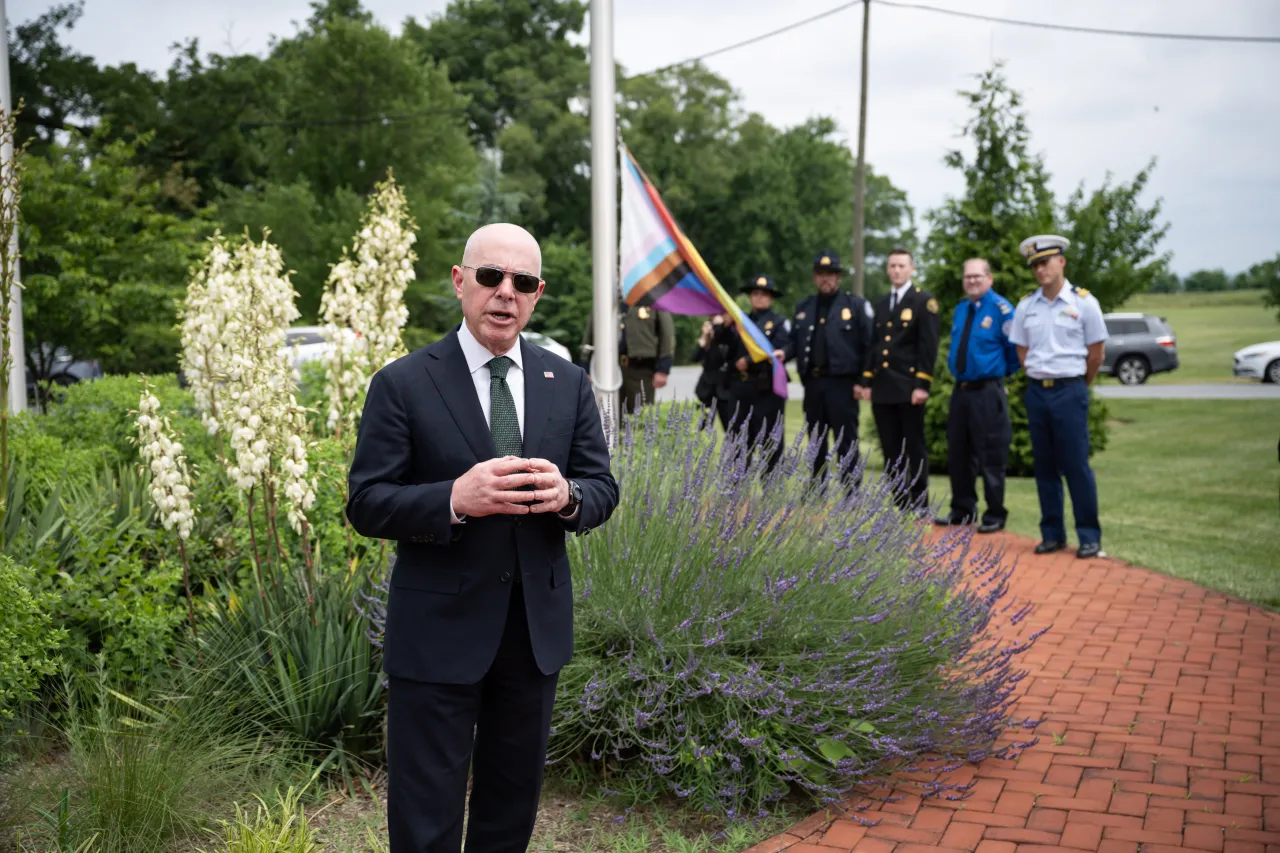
740 636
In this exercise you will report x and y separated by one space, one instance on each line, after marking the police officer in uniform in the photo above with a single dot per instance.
646 345
1061 337
752 402
898 375
832 335
978 428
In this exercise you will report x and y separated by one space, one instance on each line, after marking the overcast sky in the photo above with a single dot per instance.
1209 112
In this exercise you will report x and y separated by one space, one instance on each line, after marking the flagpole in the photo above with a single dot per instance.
604 213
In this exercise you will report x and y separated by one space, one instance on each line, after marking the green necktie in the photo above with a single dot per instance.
503 422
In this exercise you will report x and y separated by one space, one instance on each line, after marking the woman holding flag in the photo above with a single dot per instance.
753 403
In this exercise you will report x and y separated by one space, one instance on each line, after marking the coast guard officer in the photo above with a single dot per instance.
1060 336
978 428
832 333
898 374
751 399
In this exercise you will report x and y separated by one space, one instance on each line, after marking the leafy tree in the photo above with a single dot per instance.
1207 281
1166 282
1264 276
56 83
521 73
1113 240
103 265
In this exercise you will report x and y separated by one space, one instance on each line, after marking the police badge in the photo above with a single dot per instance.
846 314
906 315
643 312
986 322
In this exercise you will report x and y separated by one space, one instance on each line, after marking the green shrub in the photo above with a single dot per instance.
28 640
741 636
1021 461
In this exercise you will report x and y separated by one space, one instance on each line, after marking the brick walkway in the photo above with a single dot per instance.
1161 703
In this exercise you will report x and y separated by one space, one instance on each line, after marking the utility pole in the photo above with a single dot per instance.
607 377
17 371
860 191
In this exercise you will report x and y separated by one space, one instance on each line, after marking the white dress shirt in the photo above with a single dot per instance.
478 359
898 293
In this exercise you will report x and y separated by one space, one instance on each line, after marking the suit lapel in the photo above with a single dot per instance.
448 368
537 398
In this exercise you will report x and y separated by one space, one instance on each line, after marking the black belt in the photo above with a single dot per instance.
1049 383
975 384
632 361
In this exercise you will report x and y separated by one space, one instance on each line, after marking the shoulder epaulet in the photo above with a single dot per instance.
1080 291
1005 307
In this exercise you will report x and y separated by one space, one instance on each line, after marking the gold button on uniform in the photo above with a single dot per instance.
886 352
886 337
886 364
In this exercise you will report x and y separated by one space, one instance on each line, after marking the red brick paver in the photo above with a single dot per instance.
1161 709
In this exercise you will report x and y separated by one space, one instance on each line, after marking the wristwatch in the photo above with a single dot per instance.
575 498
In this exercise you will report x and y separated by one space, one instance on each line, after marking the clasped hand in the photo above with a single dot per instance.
493 488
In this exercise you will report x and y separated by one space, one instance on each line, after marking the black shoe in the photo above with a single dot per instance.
1048 546
1089 550
991 526
947 520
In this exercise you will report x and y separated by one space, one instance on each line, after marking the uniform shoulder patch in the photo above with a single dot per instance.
932 305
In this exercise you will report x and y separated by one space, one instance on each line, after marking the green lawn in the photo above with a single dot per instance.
1190 488
1209 327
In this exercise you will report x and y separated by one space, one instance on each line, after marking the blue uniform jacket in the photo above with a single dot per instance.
847 327
991 354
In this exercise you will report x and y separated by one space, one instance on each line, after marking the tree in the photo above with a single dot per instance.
1006 200
1266 277
103 265
1166 282
56 83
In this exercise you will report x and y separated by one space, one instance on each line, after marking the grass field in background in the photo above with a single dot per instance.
1209 327
1190 488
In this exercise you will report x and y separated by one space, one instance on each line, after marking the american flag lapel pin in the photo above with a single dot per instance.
548 374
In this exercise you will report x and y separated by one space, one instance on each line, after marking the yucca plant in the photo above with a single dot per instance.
301 656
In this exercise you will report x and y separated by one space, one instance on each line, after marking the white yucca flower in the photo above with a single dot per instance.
205 314
170 481
363 308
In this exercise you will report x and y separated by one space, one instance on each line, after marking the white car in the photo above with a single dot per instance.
1260 361
311 344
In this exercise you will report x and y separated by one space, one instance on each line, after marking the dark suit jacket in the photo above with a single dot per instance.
904 347
422 428
846 327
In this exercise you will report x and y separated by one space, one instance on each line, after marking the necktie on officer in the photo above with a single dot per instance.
962 357
503 421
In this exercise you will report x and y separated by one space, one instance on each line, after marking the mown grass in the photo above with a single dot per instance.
1209 327
1190 488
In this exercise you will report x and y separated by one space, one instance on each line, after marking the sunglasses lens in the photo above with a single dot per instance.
492 277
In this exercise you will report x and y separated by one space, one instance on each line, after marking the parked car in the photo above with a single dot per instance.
1139 345
63 371
541 340
1260 361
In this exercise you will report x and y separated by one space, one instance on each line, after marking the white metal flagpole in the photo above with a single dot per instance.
17 371
604 214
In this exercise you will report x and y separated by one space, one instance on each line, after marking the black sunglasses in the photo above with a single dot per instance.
493 276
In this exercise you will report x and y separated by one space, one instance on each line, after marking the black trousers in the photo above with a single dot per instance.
901 429
758 412
829 405
978 436
497 729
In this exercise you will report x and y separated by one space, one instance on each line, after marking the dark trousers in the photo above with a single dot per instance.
901 429
978 435
637 384
1058 419
759 412
829 405
431 746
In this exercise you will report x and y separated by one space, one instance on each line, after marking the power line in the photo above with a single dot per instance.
1068 28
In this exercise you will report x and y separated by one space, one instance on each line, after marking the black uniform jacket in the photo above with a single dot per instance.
904 347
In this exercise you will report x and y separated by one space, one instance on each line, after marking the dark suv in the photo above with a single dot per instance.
1139 345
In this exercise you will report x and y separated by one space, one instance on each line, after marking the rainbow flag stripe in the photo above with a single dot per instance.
661 268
